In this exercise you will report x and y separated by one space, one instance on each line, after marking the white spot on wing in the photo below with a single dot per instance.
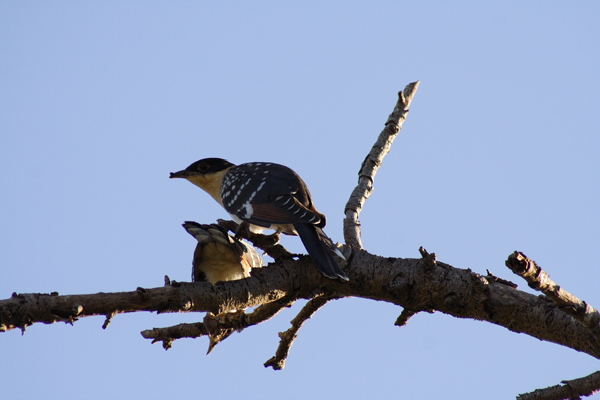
249 210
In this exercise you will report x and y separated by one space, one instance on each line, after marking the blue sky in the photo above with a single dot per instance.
101 100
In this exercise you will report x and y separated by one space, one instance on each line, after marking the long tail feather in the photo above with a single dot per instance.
321 249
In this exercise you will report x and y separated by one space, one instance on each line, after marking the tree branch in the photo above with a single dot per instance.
538 279
21 310
372 163
572 389
218 327
400 281
168 334
288 337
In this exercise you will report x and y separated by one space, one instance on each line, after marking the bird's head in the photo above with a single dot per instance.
205 166
203 172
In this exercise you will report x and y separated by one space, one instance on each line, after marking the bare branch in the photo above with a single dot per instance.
169 334
288 337
21 310
227 323
400 281
372 162
217 327
572 389
538 279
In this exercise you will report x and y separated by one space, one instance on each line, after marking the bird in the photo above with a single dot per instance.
218 256
266 195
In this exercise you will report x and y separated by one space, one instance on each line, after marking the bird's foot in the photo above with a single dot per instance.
242 231
272 239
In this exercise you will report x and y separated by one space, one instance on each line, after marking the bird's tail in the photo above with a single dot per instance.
206 233
322 250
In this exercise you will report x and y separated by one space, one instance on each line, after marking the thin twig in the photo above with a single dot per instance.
493 278
404 317
538 279
372 162
429 259
288 337
227 323
168 334
218 327
108 320
571 389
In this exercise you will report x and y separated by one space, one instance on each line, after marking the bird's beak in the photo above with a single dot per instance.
180 174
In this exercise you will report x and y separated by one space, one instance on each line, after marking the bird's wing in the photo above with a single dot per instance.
283 209
268 193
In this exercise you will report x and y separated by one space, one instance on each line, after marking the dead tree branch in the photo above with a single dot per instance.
538 279
288 337
372 163
217 327
22 310
571 389
169 334
400 281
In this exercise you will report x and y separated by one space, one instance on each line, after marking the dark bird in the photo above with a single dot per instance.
268 196
218 256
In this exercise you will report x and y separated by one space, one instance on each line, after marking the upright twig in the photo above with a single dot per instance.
372 162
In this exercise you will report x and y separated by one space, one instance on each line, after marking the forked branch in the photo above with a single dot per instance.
217 327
